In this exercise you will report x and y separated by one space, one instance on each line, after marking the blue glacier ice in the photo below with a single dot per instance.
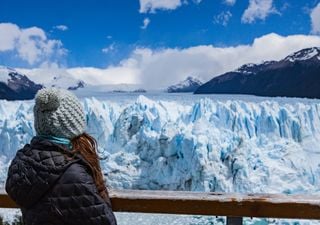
266 146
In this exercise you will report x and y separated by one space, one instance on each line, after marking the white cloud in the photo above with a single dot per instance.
109 37
125 73
61 27
315 20
258 9
109 49
152 5
171 65
146 22
9 33
222 18
160 68
30 44
229 2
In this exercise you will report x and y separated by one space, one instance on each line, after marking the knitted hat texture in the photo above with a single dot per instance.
58 113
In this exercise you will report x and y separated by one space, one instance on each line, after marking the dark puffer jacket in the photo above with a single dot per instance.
52 190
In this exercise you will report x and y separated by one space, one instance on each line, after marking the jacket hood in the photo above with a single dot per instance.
35 169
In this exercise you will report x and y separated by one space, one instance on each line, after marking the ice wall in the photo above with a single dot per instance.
233 146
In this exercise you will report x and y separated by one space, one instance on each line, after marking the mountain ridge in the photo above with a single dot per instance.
190 84
16 86
297 75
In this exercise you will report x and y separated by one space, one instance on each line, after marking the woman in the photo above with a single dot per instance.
57 179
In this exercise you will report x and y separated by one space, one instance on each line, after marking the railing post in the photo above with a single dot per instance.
234 220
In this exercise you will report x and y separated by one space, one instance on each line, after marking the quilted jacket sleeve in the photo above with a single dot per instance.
75 199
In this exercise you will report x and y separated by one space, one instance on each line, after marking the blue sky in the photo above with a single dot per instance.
106 33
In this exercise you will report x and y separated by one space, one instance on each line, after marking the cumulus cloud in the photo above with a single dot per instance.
61 27
122 74
258 9
125 73
222 18
229 2
160 68
30 44
315 20
153 5
171 65
8 35
146 22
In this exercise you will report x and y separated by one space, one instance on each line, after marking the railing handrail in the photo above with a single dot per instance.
204 203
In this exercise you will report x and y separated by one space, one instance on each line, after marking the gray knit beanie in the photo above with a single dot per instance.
58 113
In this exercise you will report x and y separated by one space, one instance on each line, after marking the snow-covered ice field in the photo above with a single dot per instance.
219 143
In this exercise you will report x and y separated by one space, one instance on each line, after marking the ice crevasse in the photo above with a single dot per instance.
207 145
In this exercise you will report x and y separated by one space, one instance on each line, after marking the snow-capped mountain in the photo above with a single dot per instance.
252 68
80 84
190 84
305 54
83 84
65 82
16 86
54 77
297 75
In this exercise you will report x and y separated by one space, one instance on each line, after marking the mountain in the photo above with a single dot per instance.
80 84
190 84
65 81
297 75
16 86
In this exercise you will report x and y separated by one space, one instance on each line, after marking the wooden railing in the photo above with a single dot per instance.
234 206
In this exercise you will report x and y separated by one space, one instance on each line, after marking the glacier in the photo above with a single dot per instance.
250 145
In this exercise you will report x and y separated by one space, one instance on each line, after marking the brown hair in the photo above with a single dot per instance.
86 145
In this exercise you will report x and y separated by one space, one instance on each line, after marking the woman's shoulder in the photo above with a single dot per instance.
79 171
44 155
